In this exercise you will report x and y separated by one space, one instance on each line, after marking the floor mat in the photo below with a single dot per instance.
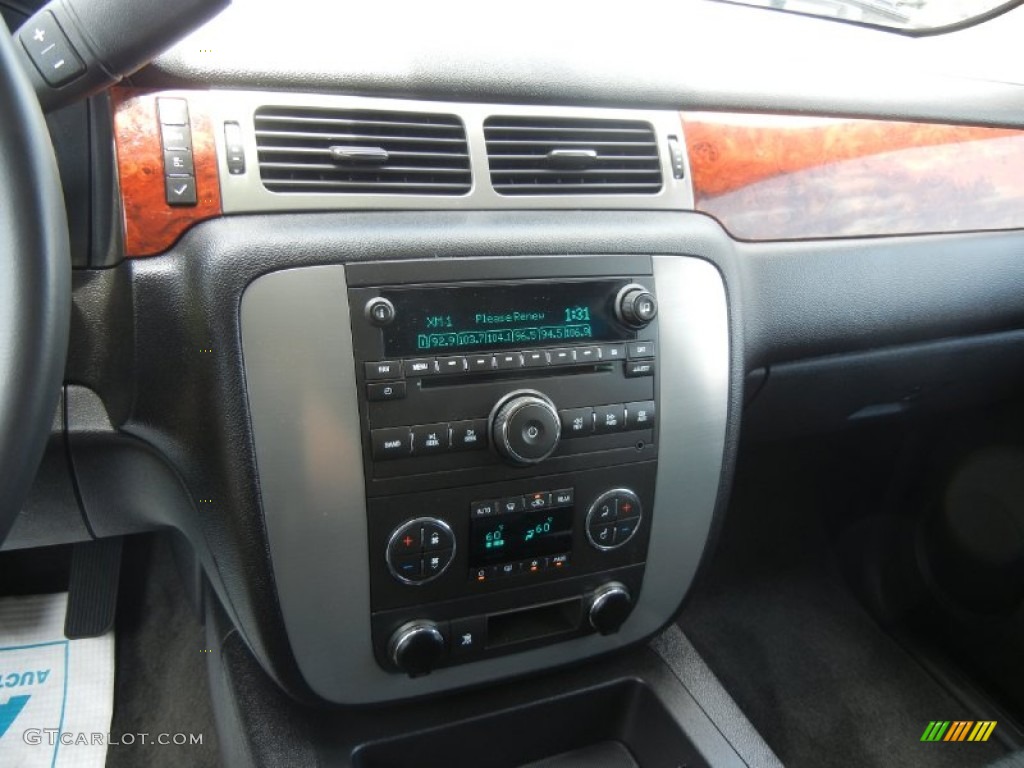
812 670
162 684
56 695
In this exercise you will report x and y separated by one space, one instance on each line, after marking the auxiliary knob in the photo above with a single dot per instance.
609 607
416 647
635 306
525 427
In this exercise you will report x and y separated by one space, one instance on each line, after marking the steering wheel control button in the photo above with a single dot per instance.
180 190
609 418
430 438
420 550
51 51
637 368
613 519
379 311
469 435
383 369
525 427
637 350
635 306
383 391
391 443
421 366
577 422
640 415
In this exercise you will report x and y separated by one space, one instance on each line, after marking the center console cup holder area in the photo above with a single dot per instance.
622 724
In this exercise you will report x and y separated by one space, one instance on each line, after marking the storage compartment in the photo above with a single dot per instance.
622 724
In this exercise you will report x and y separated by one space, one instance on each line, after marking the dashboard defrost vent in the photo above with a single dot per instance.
343 151
570 156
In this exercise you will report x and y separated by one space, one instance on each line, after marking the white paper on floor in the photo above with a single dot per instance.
56 695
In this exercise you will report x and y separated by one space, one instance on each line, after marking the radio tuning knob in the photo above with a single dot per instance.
525 427
416 647
609 607
635 306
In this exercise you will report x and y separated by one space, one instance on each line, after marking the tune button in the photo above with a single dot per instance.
613 519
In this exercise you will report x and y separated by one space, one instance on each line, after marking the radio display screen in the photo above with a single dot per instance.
493 317
520 535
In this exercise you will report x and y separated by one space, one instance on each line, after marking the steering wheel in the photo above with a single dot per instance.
35 284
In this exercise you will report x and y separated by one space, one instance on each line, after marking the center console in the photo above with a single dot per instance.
510 452
478 467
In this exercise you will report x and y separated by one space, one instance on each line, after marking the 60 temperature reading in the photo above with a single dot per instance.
539 529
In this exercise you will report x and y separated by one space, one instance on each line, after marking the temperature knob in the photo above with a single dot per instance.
525 427
609 607
416 647
635 306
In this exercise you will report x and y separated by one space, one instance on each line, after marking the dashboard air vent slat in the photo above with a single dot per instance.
411 153
573 156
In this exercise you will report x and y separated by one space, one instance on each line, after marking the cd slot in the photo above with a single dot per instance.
433 382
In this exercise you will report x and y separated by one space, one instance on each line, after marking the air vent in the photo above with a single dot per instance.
566 156
343 151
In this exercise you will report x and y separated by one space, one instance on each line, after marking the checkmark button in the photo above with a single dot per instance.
180 190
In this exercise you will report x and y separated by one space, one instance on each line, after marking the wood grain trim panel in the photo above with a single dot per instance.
779 177
151 226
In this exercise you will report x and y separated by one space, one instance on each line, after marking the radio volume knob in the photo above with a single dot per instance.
525 427
635 306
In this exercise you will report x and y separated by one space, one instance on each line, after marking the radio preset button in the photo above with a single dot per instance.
640 415
480 362
385 390
577 422
535 358
421 366
563 356
588 355
430 438
391 443
383 369
637 368
613 352
508 360
451 365
511 504
609 418
639 349
469 435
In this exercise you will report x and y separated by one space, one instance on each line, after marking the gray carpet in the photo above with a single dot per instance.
161 683
812 670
